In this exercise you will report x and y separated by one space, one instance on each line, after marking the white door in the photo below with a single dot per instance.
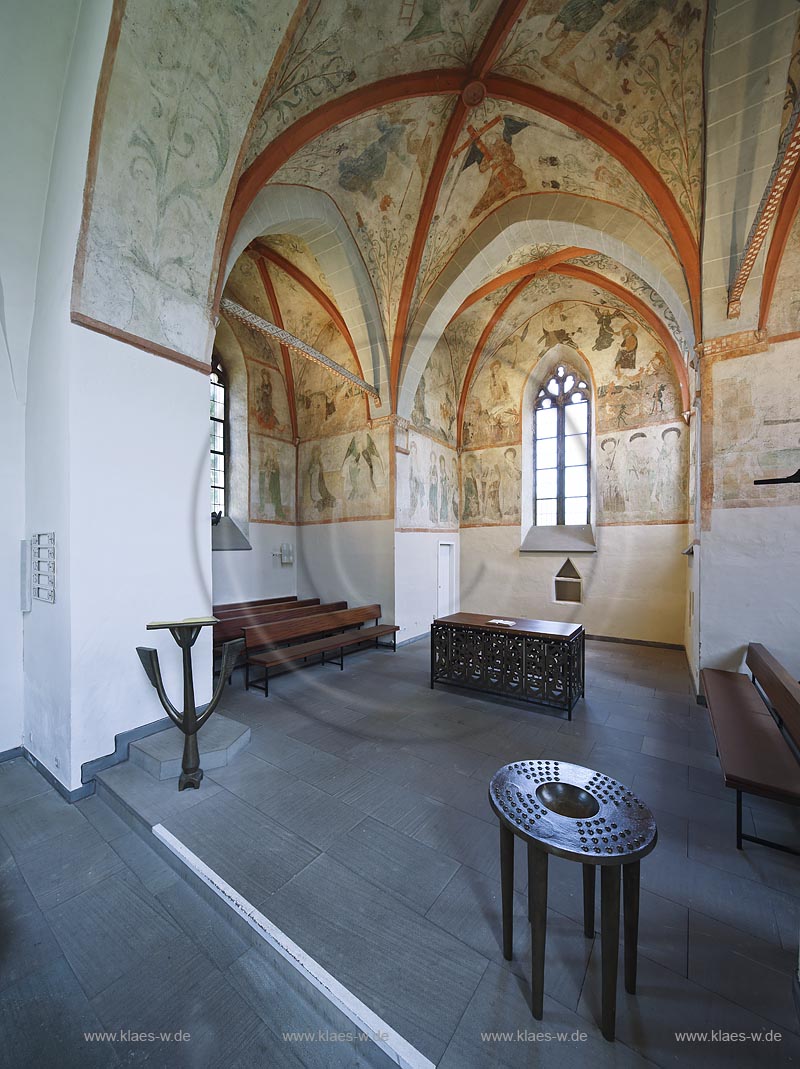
445 601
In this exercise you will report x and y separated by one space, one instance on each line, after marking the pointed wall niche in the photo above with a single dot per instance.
568 584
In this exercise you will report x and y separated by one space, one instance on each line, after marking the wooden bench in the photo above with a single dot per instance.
232 627
757 729
288 642
236 608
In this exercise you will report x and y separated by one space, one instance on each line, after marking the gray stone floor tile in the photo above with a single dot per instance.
415 873
103 817
666 1003
277 748
716 953
27 944
20 780
252 779
408 970
497 1029
471 841
331 773
201 923
753 862
740 903
144 862
681 755
253 852
43 1018
390 778
288 1003
107 930
38 819
57 870
314 816
152 800
196 999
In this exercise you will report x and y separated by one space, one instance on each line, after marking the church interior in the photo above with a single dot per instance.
410 393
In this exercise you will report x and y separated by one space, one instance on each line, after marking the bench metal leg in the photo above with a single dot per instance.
738 820
341 658
609 944
742 837
588 900
537 911
247 676
266 682
507 888
630 903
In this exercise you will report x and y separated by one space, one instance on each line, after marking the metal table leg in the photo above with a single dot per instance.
507 888
630 900
537 911
609 941
588 900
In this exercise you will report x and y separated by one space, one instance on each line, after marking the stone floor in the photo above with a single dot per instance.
357 821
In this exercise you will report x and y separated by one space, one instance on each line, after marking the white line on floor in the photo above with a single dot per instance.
382 1034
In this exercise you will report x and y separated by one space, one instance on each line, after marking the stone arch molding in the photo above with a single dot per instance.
313 216
489 246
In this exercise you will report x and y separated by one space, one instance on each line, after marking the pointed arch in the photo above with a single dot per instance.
313 216
512 226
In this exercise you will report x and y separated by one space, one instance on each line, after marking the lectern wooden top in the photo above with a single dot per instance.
513 625
192 621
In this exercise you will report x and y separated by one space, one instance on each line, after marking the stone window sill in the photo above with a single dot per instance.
573 539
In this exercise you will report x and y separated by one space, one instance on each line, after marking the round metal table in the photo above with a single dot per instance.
584 816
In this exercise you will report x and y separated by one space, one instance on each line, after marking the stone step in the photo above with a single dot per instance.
219 741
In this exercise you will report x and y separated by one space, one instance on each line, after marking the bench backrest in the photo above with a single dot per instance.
243 606
782 691
232 627
269 610
287 630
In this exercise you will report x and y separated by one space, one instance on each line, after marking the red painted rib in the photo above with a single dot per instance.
777 246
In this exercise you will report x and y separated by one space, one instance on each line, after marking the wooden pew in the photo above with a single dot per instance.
757 728
225 630
287 642
275 612
236 608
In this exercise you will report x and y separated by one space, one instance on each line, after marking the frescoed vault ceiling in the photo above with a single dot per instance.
432 126
636 64
342 47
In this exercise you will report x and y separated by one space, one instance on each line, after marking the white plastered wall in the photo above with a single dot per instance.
117 466
351 561
246 575
35 42
633 587
417 578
